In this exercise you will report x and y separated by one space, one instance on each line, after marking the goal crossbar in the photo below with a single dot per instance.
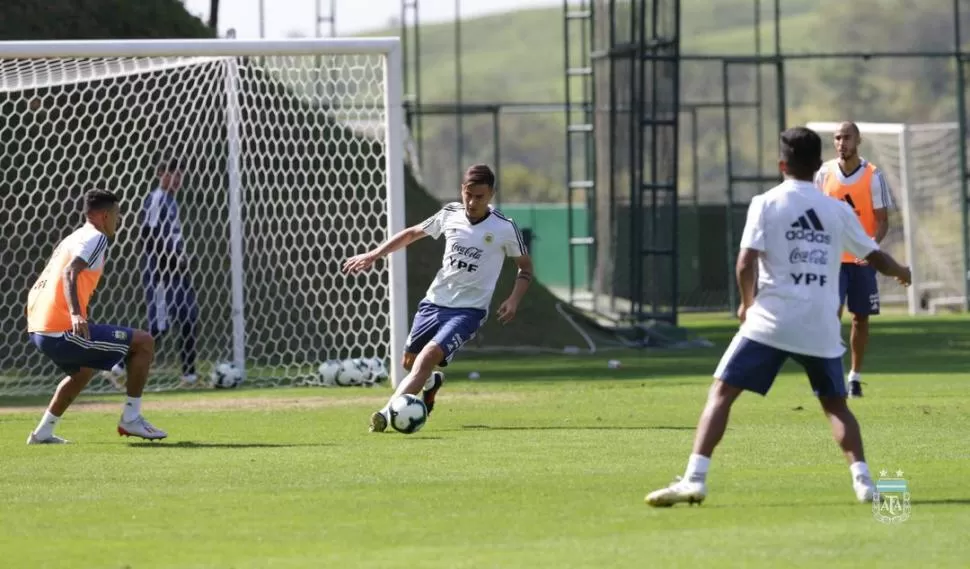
194 47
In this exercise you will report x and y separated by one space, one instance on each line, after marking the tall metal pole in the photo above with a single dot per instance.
759 107
962 117
729 167
459 126
497 153
779 70
262 18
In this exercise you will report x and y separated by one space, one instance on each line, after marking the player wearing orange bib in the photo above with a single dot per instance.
57 322
862 186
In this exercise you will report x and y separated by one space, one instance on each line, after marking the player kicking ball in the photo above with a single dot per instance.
478 238
57 321
795 235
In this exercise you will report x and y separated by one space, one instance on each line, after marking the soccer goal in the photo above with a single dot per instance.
922 165
292 155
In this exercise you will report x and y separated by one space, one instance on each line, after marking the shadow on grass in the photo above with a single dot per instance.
570 428
196 445
942 502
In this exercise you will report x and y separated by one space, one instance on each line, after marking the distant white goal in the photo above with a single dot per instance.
922 165
293 157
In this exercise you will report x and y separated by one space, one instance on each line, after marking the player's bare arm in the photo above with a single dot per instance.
746 272
400 240
507 310
78 323
885 264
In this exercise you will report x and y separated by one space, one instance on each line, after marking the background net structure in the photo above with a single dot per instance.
312 192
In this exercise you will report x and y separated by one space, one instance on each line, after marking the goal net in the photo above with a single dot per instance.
290 154
922 165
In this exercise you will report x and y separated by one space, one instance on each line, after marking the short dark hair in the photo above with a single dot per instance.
479 174
99 200
801 148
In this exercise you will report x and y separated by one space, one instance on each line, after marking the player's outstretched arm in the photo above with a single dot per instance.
400 240
507 310
885 264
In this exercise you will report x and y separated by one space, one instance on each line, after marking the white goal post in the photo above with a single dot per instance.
922 166
292 157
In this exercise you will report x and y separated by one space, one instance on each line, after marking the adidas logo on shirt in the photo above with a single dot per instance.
808 227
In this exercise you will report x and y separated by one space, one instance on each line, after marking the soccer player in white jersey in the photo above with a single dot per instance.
478 238
794 236
57 322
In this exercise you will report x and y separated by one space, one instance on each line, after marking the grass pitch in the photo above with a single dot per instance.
543 462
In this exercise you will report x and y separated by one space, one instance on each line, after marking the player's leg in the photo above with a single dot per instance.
70 356
825 375
863 301
186 314
423 329
140 352
458 327
65 394
745 366
431 386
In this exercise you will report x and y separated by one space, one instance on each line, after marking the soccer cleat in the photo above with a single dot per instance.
864 488
681 491
855 389
378 422
437 380
140 428
51 440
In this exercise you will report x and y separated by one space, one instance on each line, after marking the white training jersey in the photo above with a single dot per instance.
801 234
882 196
474 255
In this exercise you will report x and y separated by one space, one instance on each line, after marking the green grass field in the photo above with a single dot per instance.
540 463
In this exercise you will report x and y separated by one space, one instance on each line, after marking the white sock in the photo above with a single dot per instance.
855 376
45 429
857 468
697 468
131 410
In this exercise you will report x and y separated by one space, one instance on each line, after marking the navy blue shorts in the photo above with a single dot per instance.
450 328
107 347
858 288
754 366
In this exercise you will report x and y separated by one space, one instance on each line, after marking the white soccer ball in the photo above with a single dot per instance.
226 376
378 370
328 371
353 372
408 414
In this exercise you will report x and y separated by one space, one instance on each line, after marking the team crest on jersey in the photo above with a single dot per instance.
489 238
121 335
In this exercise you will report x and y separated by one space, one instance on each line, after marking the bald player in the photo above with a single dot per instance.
861 185
58 325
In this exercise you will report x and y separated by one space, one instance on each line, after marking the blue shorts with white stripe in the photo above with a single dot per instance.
107 346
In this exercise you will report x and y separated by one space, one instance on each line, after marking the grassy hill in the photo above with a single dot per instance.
519 57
